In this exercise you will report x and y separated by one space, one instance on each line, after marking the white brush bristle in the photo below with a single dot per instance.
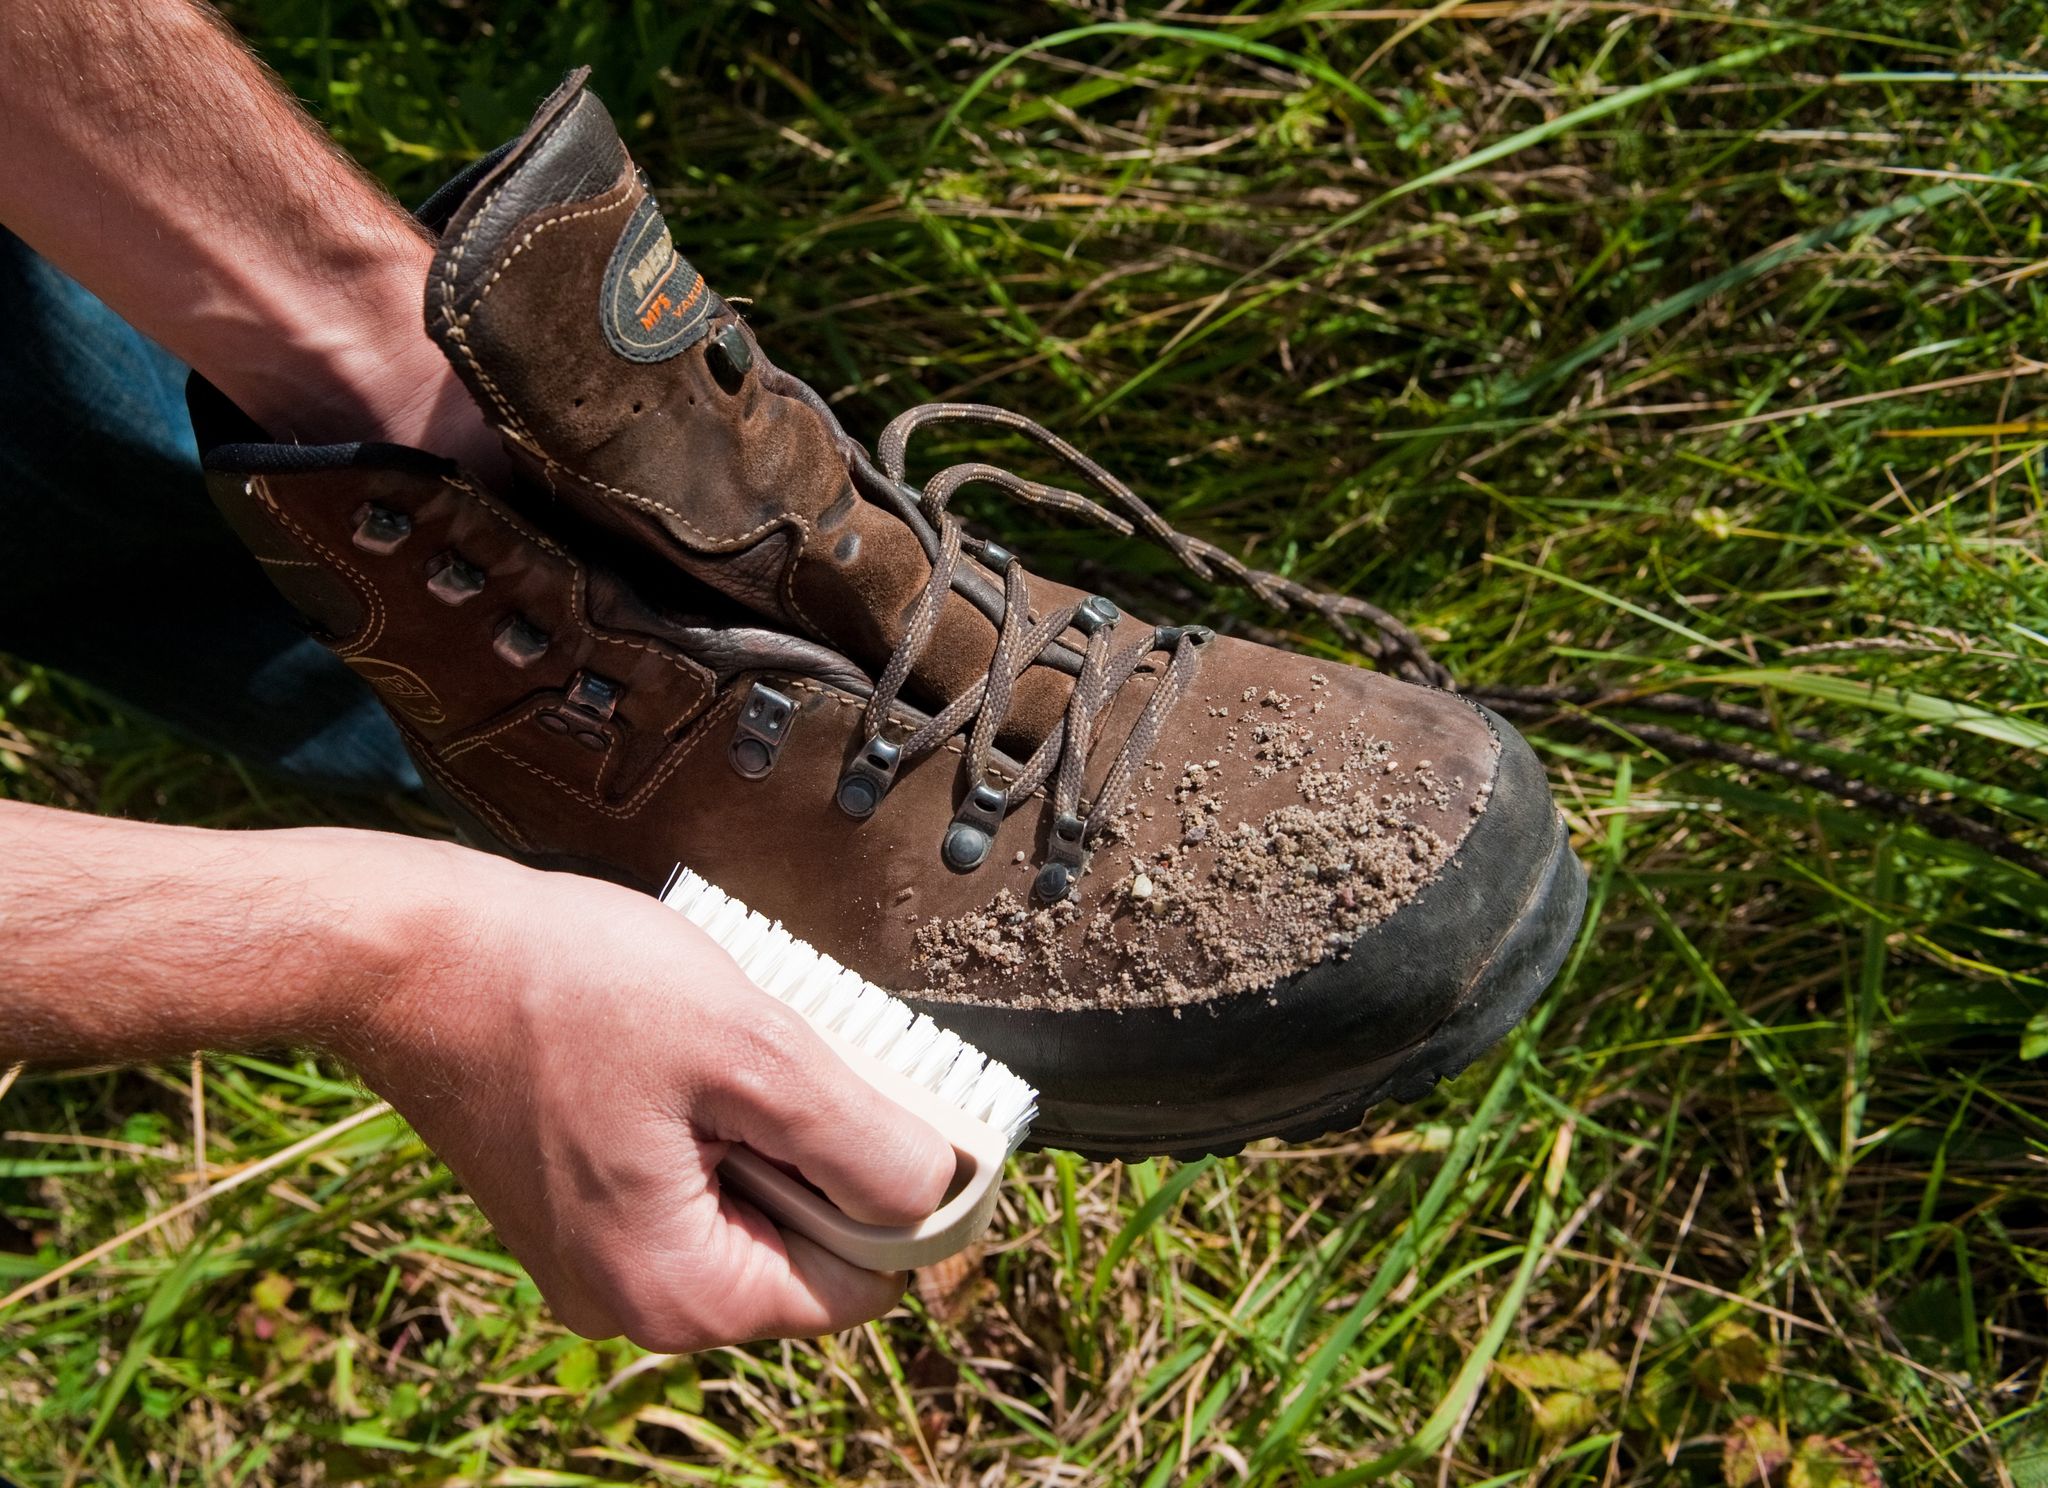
830 996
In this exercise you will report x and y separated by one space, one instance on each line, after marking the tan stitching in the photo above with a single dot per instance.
519 528
706 543
454 325
596 207
690 670
463 745
374 627
424 754
648 503
577 599
574 792
634 804
789 584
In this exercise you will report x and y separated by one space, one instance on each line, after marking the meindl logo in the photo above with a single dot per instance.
654 304
647 273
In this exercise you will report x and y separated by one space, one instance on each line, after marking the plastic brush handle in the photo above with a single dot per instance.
970 1202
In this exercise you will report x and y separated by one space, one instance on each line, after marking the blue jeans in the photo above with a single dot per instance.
115 569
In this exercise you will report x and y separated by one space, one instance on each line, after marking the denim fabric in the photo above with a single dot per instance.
115 569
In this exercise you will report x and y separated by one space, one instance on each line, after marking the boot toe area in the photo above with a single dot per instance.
1405 976
1413 997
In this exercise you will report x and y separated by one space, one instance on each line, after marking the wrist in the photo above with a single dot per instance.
192 939
408 949
317 351
357 364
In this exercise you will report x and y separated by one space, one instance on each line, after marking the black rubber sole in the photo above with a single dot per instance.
1512 978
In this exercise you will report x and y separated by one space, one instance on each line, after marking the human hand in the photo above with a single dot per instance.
581 1057
413 397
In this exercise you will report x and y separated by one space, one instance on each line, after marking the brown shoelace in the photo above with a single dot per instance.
1105 665
1391 645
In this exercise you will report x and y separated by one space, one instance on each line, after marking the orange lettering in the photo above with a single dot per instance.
654 313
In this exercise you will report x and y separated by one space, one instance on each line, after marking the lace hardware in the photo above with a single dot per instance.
731 358
995 556
1066 859
760 731
454 580
1094 613
379 529
1167 637
867 777
973 831
594 695
519 642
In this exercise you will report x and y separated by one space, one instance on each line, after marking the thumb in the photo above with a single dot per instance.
781 1090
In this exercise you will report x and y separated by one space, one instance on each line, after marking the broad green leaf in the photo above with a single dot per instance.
1594 1372
1565 1413
1752 1451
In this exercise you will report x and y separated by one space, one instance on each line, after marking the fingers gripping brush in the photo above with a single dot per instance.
975 1102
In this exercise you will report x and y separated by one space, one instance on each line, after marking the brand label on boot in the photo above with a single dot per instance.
402 688
654 304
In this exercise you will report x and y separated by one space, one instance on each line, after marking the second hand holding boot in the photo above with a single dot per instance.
1198 891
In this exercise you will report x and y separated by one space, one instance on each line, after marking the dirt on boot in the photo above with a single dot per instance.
1233 905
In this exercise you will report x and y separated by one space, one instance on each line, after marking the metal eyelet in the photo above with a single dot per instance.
731 358
973 830
1066 860
760 730
519 642
995 556
1095 612
595 695
379 529
454 580
867 778
1167 637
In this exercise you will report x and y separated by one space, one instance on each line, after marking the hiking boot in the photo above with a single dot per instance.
1196 890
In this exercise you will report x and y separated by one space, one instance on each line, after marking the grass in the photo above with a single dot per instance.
1629 346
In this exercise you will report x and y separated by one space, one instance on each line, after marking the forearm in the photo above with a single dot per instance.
122 941
144 151
581 1056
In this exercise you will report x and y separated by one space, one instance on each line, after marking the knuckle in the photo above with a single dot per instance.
768 1050
668 1331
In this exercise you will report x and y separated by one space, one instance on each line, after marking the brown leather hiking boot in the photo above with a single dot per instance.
1198 891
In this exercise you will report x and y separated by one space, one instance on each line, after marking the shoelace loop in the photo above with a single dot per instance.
1062 756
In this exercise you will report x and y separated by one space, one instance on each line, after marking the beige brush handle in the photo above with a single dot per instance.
959 1220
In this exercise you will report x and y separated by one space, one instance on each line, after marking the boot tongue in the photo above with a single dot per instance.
635 393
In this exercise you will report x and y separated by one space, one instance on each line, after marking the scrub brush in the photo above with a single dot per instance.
975 1102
